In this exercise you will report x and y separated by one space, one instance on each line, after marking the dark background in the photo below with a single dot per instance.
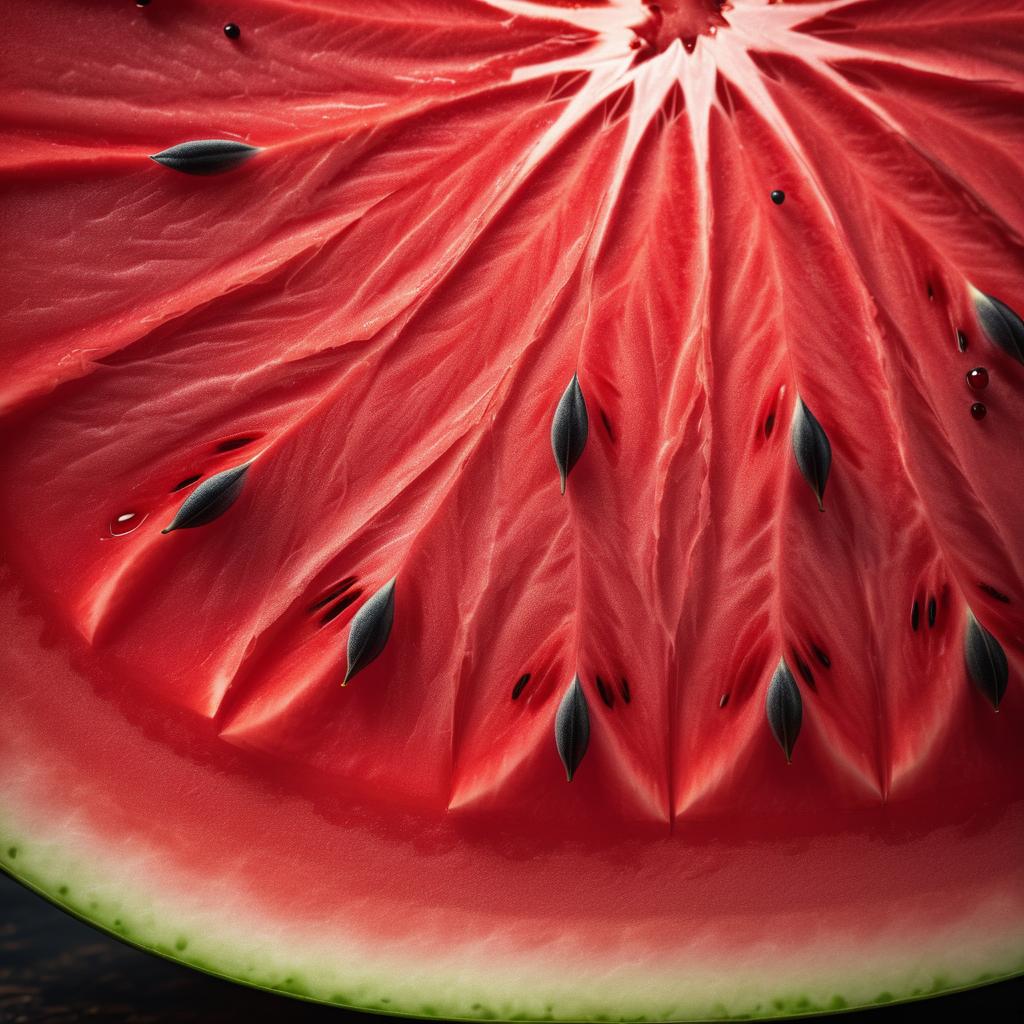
55 969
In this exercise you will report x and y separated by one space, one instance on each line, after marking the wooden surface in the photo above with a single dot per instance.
56 970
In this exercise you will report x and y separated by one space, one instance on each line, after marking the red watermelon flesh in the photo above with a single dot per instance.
740 279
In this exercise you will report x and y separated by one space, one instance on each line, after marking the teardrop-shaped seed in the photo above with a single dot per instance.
569 429
205 156
812 450
784 708
986 662
1002 325
210 500
572 727
370 629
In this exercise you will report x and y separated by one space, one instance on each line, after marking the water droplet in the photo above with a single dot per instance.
978 411
778 197
977 379
125 523
232 31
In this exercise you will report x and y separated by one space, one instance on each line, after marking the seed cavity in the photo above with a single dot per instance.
1002 325
812 450
335 592
769 424
210 500
784 709
370 629
723 700
520 685
336 609
234 443
915 615
961 341
805 671
605 691
624 690
932 610
205 156
569 429
186 482
607 426
996 595
986 662
821 656
572 728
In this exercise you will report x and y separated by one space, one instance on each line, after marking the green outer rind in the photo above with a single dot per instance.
118 928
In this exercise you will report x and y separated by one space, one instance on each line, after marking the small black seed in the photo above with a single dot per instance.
336 591
932 609
812 450
520 685
336 609
821 656
931 290
188 480
997 595
606 693
232 31
778 196
986 662
961 341
723 700
624 690
769 424
205 156
1003 326
572 728
370 629
569 429
234 443
915 615
784 708
978 411
210 500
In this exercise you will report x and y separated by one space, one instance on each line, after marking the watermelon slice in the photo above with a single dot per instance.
301 640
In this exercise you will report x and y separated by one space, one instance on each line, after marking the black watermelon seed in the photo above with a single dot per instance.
986 662
370 629
205 156
812 450
997 595
520 685
778 196
821 656
932 609
606 693
915 615
784 709
569 429
572 728
210 500
232 31
978 411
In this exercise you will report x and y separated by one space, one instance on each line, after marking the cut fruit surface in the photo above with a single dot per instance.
512 509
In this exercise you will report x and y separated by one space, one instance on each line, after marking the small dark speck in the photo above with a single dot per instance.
932 609
520 684
997 595
232 31
624 690
724 700
931 291
961 341
141 3
333 612
778 196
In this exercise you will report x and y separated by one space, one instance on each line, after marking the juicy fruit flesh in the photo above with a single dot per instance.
348 348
